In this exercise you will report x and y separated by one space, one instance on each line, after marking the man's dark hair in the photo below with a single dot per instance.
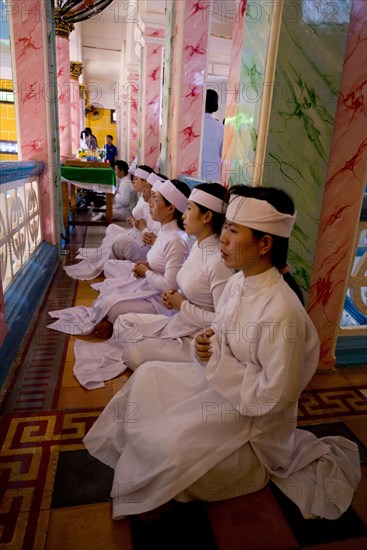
211 102
123 166
109 135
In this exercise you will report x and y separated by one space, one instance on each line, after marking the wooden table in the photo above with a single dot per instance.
102 180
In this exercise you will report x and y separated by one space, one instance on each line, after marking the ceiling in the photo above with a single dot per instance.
106 43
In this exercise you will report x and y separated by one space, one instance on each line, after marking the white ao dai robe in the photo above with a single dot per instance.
125 198
93 259
172 423
165 258
124 248
138 338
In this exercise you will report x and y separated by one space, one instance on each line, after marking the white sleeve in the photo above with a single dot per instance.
218 275
176 252
138 211
271 383
123 194
196 315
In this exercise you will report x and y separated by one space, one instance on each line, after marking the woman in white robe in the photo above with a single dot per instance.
140 286
126 197
222 425
134 249
201 280
123 247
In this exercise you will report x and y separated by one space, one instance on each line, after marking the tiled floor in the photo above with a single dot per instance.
55 496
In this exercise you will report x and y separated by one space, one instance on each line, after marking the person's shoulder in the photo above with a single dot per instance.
216 125
287 304
177 237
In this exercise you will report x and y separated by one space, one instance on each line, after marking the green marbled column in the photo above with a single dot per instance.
251 85
308 74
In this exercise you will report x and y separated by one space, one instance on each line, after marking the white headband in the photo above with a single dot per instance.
168 190
157 185
209 201
132 166
153 178
260 215
142 174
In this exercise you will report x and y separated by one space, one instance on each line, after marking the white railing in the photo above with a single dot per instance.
20 225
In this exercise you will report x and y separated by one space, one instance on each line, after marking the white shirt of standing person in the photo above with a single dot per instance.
212 149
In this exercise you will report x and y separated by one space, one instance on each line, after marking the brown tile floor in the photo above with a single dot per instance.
44 507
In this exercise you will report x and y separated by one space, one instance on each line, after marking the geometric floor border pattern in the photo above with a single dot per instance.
29 450
29 453
332 403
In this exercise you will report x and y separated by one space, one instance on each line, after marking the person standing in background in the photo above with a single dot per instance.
126 196
111 151
212 140
90 140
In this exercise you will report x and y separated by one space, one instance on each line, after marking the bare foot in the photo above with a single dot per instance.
103 329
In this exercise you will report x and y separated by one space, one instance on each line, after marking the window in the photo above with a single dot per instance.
6 96
8 147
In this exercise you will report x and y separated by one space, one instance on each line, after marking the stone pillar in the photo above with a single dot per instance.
343 193
151 44
187 39
302 119
82 97
76 69
33 63
251 82
233 90
63 31
131 102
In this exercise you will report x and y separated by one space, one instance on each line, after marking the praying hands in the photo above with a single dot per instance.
203 350
140 269
172 299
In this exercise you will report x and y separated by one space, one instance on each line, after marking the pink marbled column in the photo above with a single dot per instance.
63 85
233 88
3 327
151 96
191 31
74 115
131 101
343 192
29 41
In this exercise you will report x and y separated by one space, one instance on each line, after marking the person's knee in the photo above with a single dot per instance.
134 355
123 249
112 228
118 248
